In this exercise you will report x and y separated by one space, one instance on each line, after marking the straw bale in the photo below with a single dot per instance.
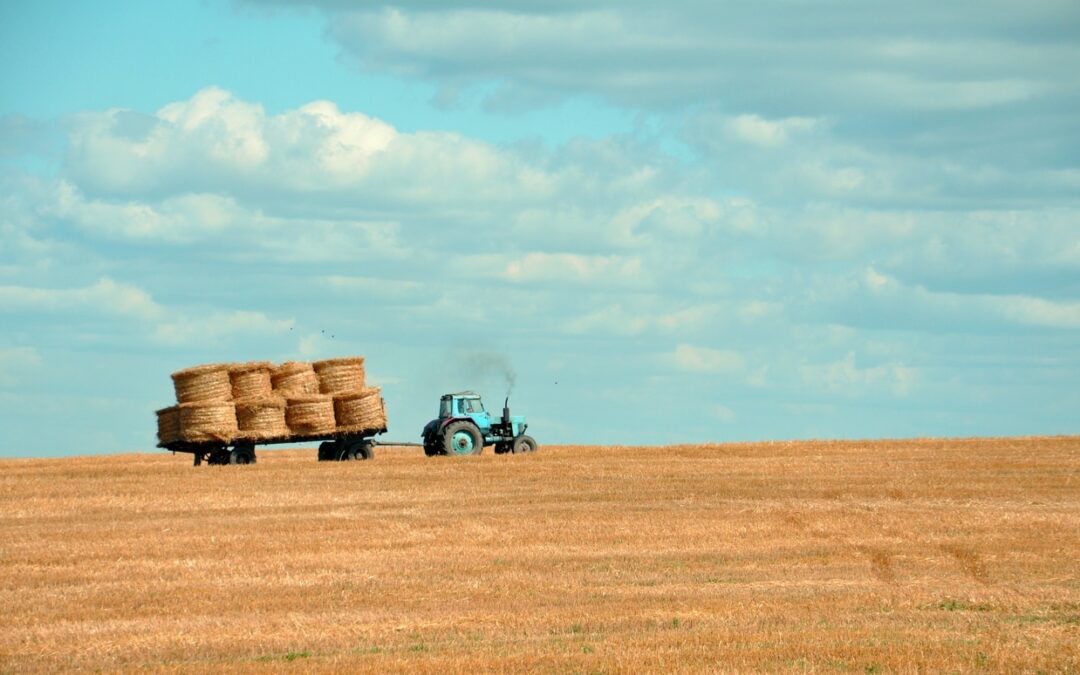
307 415
294 378
261 418
168 425
360 411
208 382
208 421
250 380
339 376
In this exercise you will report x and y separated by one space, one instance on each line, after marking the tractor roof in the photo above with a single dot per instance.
462 394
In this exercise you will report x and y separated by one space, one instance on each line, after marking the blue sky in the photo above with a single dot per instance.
702 222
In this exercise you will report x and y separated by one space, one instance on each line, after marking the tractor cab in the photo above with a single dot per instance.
464 427
462 404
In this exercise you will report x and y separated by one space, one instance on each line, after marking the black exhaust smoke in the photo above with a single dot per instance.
488 365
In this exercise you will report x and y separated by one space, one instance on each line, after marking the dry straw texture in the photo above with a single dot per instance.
168 425
261 418
208 421
339 376
250 380
308 415
209 382
925 556
294 378
360 411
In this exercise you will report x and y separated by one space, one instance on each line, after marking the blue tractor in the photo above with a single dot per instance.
464 427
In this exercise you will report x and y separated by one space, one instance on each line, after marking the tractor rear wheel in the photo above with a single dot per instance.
462 438
524 444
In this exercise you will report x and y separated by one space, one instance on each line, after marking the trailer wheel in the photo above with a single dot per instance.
327 451
432 445
357 450
242 453
524 444
462 438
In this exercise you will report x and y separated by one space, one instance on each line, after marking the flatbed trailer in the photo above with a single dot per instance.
333 447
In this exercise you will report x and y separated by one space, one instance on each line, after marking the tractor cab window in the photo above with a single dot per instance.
472 405
444 408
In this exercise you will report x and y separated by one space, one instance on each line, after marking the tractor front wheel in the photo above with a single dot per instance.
462 438
524 444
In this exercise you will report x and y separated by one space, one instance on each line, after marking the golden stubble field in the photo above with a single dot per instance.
878 556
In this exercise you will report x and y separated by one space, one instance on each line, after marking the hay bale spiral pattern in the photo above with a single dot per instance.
261 418
168 425
360 411
338 376
209 382
308 415
250 380
208 421
294 379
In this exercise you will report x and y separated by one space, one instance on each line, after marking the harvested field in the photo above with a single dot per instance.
929 555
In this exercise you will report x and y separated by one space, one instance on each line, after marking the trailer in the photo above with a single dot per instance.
333 447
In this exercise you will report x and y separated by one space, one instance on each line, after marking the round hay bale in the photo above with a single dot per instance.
168 425
339 376
360 411
261 418
250 380
209 382
208 421
307 415
293 378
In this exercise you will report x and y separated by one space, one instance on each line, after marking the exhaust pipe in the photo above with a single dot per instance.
506 411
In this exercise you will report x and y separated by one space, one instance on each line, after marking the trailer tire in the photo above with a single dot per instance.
241 456
524 444
327 451
462 438
357 451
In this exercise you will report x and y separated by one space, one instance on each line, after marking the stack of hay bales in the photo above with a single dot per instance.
258 401
356 407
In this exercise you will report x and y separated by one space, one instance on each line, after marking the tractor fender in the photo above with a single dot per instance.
429 428
450 420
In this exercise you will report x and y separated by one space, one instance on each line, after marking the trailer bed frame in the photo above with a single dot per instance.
334 446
